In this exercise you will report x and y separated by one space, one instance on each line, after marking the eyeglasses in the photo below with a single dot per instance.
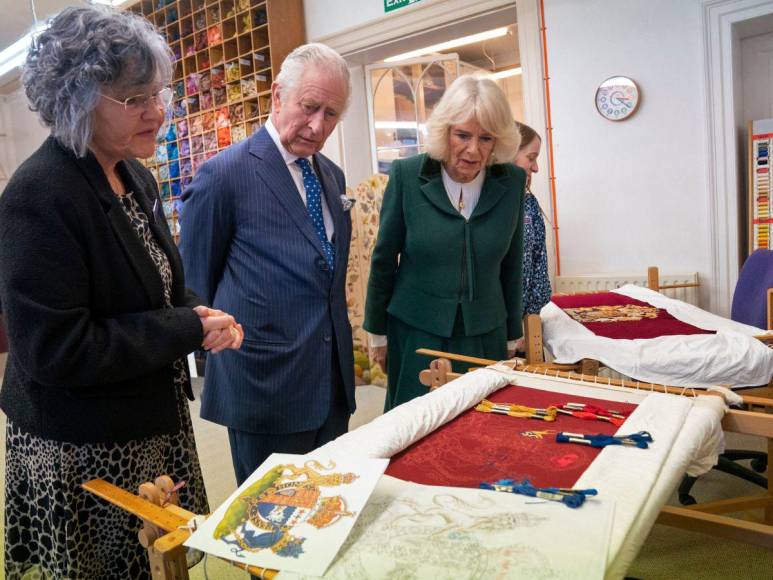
139 103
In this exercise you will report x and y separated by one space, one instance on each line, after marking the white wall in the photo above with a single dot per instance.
27 130
24 133
633 193
325 17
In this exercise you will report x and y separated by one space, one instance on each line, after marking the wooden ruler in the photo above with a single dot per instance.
155 514
170 519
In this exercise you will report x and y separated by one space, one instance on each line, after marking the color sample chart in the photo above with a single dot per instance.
759 211
222 80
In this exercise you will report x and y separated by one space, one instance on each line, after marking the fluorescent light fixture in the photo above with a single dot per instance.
508 72
14 55
480 37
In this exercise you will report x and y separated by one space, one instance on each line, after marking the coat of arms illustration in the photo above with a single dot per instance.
267 513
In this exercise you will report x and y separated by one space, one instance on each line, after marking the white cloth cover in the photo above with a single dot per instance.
731 357
394 431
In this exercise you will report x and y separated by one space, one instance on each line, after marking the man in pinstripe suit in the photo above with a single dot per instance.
265 236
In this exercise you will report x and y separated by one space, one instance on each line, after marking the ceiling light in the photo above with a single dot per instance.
480 37
508 72
14 55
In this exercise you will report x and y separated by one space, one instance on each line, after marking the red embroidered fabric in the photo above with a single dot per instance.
478 447
663 325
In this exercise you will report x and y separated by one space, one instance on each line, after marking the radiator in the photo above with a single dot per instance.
600 283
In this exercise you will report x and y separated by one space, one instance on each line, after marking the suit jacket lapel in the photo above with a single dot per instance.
136 253
435 191
433 187
492 191
273 171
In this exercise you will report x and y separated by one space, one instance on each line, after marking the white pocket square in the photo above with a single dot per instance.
347 202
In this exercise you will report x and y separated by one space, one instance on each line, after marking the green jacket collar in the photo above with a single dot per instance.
433 189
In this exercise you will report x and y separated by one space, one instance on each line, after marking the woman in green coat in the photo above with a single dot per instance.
446 269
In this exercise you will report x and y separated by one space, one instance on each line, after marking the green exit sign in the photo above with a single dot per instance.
390 5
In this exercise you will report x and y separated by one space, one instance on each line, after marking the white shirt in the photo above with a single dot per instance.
468 192
470 195
297 174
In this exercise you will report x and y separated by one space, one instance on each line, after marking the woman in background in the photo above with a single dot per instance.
536 282
446 269
99 320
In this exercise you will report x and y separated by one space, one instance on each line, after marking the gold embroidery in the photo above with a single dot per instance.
617 313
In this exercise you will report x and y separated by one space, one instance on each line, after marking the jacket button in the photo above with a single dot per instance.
322 264
327 338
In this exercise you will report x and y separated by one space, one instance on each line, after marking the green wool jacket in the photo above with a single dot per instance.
429 260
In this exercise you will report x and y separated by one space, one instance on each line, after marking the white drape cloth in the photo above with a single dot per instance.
730 357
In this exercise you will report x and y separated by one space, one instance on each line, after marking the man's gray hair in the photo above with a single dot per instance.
314 55
82 51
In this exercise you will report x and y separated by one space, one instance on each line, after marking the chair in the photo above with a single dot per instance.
753 305
753 296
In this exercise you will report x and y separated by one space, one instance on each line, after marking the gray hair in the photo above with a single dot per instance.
312 54
473 98
83 50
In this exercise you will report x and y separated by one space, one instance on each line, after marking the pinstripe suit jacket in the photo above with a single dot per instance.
250 249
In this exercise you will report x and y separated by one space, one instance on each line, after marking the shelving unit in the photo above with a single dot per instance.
760 217
227 53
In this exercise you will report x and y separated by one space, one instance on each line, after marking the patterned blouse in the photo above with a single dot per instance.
536 282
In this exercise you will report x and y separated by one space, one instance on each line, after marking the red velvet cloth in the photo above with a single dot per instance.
477 447
663 325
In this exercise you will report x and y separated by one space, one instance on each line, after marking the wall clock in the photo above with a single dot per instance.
617 98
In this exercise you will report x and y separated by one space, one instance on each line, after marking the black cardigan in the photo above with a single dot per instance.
91 344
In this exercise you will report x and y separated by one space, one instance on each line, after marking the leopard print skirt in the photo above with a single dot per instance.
54 529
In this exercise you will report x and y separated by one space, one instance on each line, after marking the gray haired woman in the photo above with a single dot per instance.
99 321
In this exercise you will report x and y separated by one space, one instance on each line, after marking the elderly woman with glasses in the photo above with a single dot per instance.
446 268
99 320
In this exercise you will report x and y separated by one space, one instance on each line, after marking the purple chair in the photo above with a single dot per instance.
750 299
750 306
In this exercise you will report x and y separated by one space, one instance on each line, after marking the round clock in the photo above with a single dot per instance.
617 98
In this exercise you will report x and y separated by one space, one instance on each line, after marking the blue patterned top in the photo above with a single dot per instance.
536 282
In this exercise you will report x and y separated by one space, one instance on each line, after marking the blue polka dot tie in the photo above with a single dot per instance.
314 207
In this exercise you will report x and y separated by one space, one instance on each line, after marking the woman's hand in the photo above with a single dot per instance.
219 340
378 355
514 347
221 331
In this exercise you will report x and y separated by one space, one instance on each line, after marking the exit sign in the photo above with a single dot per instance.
390 5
